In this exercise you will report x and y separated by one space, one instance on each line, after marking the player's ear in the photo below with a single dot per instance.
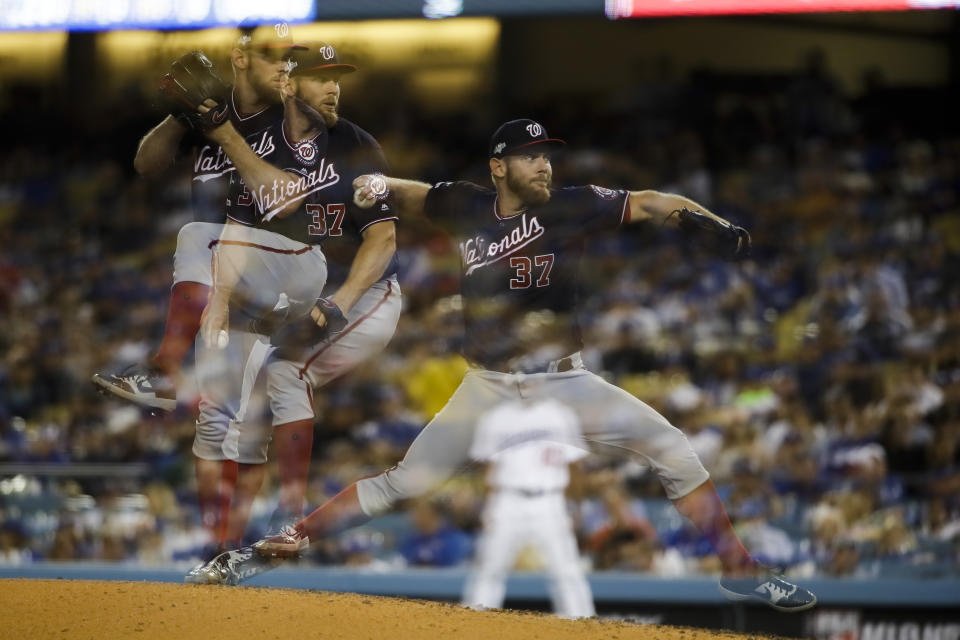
239 59
498 168
289 88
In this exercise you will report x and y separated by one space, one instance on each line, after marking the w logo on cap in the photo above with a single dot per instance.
522 133
327 52
282 29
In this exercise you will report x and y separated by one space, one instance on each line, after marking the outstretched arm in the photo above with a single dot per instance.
158 149
409 196
657 206
693 219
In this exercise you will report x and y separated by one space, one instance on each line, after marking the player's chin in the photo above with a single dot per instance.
538 193
272 94
329 115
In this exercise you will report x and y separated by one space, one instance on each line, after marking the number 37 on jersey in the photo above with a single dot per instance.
527 269
326 219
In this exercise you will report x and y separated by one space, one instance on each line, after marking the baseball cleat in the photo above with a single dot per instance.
286 544
280 519
139 385
769 589
230 568
198 575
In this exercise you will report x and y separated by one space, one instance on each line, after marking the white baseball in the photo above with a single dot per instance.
222 339
363 203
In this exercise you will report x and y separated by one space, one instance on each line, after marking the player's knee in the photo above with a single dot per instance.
291 399
379 494
680 470
208 440
191 262
194 235
375 499
252 449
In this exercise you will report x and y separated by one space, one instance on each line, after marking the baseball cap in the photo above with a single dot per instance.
273 36
521 134
317 57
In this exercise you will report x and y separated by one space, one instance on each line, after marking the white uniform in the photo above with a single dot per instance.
529 446
279 273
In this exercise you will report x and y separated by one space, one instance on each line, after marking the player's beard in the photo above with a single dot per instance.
329 115
268 92
528 193
326 113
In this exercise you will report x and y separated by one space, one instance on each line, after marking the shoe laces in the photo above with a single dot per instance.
134 375
290 531
776 589
237 557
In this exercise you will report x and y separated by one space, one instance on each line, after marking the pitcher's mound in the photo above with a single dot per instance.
73 609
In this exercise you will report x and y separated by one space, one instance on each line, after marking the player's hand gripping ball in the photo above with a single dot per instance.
191 80
369 189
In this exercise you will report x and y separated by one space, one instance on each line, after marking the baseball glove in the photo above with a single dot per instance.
191 80
713 233
292 338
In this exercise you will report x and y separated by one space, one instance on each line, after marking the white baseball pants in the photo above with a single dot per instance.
512 521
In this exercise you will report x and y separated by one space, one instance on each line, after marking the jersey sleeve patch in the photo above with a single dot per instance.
603 192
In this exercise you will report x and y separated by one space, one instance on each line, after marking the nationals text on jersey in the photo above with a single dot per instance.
272 201
475 256
212 162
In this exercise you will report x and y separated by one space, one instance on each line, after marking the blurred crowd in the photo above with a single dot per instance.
818 380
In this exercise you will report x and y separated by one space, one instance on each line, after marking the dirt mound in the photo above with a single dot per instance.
68 609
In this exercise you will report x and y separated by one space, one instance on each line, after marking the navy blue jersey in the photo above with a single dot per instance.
327 165
526 263
212 168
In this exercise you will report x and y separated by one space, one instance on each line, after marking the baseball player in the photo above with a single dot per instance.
304 190
529 446
260 61
260 64
520 245
261 54
362 272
